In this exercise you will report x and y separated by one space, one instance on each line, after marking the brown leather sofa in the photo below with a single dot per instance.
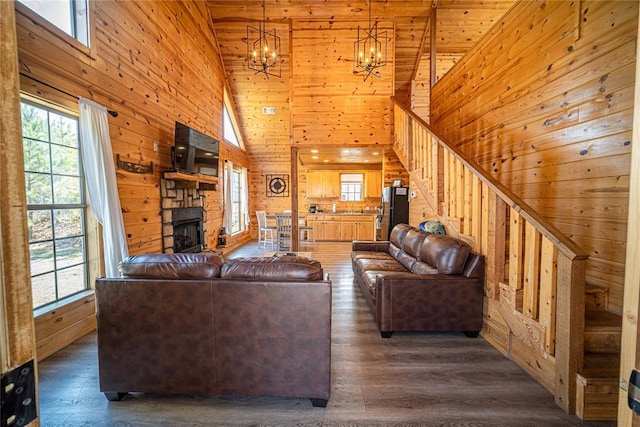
193 323
420 281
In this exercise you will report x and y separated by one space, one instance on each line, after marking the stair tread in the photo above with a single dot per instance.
602 321
601 365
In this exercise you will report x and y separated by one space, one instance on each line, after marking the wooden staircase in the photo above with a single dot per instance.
597 382
538 310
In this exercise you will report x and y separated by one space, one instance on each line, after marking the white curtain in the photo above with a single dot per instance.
244 201
100 174
227 217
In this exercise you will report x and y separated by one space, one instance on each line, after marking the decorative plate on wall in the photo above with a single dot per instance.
278 185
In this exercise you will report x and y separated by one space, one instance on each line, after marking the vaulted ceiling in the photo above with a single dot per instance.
319 102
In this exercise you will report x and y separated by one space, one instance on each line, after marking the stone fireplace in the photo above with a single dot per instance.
183 218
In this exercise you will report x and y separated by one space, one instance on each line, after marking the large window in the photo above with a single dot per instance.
229 123
351 187
70 16
56 210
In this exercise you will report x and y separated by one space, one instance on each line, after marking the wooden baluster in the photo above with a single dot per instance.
495 243
515 250
531 279
548 272
476 217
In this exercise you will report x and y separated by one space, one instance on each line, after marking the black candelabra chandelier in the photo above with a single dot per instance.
262 48
370 50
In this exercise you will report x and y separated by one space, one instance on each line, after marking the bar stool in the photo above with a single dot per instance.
265 233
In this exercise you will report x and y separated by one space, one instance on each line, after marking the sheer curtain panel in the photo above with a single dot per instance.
100 175
227 217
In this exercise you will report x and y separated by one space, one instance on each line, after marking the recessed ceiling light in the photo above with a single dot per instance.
314 157
375 153
314 151
366 161
326 161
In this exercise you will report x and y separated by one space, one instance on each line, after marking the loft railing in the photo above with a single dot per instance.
534 272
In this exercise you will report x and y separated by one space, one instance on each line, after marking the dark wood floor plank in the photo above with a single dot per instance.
411 379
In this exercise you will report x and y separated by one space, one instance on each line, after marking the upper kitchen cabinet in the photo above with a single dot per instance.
373 184
323 184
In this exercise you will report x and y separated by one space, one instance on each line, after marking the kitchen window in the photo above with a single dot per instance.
351 187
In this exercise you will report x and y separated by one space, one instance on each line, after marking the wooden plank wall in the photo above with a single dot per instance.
315 103
154 64
545 103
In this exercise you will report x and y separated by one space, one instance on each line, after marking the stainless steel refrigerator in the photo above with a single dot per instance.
394 209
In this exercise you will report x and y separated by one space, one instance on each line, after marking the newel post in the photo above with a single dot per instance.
569 329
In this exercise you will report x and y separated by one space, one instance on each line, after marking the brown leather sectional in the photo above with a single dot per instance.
193 323
420 281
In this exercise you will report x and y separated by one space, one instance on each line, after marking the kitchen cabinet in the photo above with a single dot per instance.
373 184
323 184
345 227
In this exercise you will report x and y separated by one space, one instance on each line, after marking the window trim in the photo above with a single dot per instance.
361 182
73 43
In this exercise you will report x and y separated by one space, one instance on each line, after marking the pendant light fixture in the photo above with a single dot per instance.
370 50
262 48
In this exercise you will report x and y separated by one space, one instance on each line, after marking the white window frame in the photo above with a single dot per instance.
85 226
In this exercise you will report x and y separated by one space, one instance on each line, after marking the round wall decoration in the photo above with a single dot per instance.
278 185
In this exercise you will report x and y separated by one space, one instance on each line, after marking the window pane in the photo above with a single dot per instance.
68 222
64 130
69 252
65 160
44 289
56 12
71 281
39 225
34 123
41 256
229 131
66 190
38 189
36 156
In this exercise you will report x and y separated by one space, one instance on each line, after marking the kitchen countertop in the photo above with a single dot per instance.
365 213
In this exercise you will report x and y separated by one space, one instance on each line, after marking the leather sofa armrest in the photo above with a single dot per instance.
408 300
367 245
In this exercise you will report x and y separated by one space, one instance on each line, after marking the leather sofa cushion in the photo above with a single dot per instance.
413 242
446 253
397 236
379 265
370 255
202 265
423 268
271 269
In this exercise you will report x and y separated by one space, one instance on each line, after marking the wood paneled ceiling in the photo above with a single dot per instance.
319 103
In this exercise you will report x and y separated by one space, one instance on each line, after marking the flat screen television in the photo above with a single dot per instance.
195 152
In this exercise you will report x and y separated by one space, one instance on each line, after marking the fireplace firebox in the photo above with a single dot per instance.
188 233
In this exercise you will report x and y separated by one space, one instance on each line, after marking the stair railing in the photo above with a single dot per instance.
535 272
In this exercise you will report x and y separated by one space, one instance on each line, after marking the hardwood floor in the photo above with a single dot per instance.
411 379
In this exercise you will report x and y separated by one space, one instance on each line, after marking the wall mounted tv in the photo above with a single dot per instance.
195 152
